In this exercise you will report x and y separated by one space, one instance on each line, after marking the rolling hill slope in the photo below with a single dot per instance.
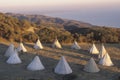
17 27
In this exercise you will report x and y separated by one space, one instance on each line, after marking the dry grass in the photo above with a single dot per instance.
49 57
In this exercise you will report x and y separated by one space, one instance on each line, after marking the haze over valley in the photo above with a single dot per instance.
96 12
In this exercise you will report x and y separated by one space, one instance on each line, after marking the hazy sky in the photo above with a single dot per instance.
101 12
46 4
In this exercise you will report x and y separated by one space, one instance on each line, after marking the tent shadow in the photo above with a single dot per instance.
29 45
19 71
62 52
3 48
113 45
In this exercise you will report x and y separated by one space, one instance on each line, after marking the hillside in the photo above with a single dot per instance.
11 28
50 57
14 29
18 27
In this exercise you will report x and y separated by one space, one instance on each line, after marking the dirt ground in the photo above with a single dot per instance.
50 57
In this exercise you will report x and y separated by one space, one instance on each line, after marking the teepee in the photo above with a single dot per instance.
9 51
91 66
14 58
102 51
35 64
56 44
38 45
106 60
94 50
75 45
63 67
21 48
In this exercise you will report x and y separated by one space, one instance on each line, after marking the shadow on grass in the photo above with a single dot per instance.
3 48
19 71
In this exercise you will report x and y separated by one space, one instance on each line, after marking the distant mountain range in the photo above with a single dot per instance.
41 19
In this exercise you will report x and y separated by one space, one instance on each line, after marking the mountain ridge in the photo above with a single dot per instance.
40 19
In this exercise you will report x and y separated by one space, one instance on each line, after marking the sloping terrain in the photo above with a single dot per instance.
19 27
50 57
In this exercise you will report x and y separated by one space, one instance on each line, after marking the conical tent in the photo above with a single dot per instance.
106 60
91 66
94 50
102 51
14 59
38 45
35 64
75 45
9 51
21 48
56 44
63 67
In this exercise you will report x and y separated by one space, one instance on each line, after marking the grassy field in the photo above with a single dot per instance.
50 57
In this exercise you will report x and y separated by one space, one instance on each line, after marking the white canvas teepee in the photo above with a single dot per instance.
106 60
14 58
91 66
9 51
21 48
94 50
38 45
35 64
75 45
63 67
56 44
102 51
